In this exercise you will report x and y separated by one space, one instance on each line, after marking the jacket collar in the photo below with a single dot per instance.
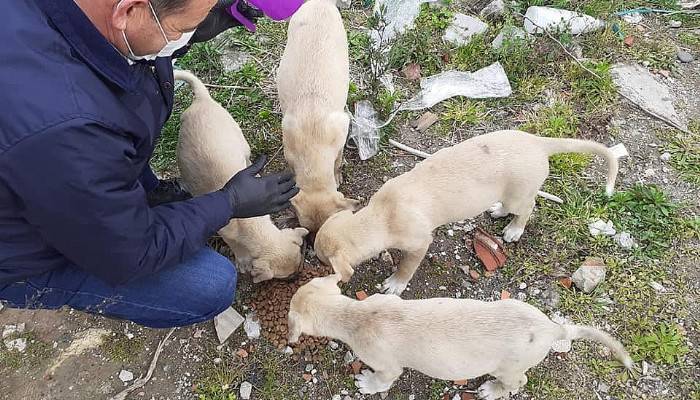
89 43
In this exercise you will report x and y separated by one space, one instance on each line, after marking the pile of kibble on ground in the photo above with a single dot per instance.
270 301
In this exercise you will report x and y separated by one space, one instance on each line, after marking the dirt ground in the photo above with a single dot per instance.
649 299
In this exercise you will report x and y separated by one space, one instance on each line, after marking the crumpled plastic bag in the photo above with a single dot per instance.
488 82
365 129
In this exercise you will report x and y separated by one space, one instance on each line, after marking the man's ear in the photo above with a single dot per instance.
124 9
301 233
294 326
342 267
261 271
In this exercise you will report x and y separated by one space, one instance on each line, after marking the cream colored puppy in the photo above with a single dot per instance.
449 339
210 150
505 168
312 81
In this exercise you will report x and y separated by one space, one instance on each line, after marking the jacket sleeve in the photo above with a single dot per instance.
79 185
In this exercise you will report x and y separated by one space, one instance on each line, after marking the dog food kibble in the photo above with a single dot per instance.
271 303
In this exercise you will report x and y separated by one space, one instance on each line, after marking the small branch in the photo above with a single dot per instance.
408 149
423 154
273 157
139 383
590 71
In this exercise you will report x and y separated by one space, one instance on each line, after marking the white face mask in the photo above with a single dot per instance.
170 45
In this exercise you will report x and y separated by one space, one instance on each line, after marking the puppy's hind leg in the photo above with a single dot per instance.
522 210
503 386
410 260
375 382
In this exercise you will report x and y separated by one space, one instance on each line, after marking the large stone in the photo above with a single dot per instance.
640 86
463 28
226 323
590 274
550 19
126 376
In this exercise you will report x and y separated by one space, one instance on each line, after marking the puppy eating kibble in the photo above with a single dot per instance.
504 168
450 339
210 150
312 81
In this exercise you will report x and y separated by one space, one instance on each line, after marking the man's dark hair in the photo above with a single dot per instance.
167 7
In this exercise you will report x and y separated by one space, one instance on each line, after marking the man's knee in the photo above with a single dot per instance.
218 284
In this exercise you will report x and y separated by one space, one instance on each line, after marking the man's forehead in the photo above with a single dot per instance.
191 15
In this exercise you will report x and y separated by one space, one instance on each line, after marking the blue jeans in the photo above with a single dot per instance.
194 291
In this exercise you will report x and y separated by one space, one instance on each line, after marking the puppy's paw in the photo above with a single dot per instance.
512 233
497 210
492 390
394 285
367 383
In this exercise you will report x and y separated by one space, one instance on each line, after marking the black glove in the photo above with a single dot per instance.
220 20
167 191
252 196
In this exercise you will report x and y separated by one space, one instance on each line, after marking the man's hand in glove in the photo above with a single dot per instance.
252 196
220 20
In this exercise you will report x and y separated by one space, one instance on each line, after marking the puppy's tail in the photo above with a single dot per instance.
572 332
556 145
197 86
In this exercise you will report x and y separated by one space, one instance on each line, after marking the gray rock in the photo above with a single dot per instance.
665 157
126 376
674 23
246 390
493 10
336 397
509 34
463 28
589 275
637 83
521 296
601 227
349 357
685 57
551 298
383 395
19 344
625 240
603 387
308 367
333 345
343 4
233 60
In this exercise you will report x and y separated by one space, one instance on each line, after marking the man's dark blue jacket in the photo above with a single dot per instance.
77 129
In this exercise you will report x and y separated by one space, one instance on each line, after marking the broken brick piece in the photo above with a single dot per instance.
307 377
242 353
460 382
474 275
489 250
468 396
361 295
412 72
505 294
356 366
566 282
629 41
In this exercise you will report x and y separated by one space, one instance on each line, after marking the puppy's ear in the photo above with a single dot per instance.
342 267
301 233
261 271
294 326
351 204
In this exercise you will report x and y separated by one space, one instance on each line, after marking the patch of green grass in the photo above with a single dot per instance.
540 383
358 43
662 345
657 52
436 388
463 112
685 153
689 39
386 102
12 360
472 56
422 44
274 383
648 213
558 121
596 94
121 349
